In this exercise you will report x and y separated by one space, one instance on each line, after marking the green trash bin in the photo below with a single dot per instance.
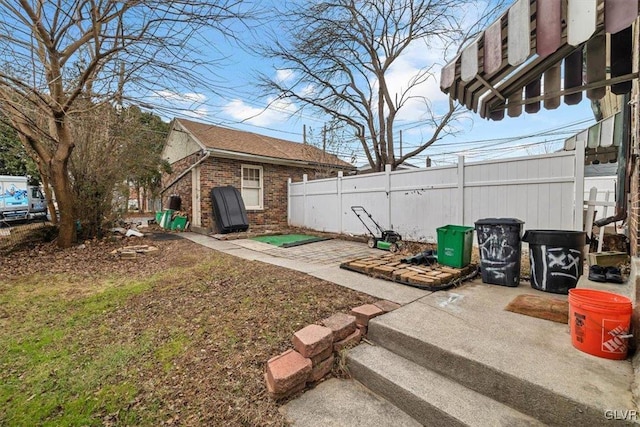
454 245
158 217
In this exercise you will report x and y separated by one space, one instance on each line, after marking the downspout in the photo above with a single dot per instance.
186 171
624 167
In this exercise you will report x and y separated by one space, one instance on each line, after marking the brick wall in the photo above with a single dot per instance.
182 187
216 172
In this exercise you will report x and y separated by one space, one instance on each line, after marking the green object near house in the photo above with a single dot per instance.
289 240
179 223
454 245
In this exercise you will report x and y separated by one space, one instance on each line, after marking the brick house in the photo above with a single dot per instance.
204 156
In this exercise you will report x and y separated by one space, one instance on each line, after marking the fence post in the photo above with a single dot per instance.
387 184
604 215
289 200
591 210
460 192
339 190
304 200
581 142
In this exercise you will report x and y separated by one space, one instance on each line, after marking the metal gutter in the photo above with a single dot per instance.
186 171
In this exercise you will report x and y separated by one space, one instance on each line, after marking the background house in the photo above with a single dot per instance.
204 156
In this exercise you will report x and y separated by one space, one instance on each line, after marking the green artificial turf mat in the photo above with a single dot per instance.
289 240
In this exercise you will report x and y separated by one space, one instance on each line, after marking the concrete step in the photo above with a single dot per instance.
428 397
341 403
526 363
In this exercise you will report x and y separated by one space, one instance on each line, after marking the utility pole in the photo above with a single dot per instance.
324 138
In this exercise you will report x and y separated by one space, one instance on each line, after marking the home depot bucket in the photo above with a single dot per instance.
599 322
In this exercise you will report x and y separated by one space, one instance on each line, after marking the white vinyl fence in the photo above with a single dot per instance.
539 190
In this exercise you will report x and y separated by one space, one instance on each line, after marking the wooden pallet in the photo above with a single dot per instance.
429 277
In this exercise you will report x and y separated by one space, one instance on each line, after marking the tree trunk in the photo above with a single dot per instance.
64 197
59 169
53 213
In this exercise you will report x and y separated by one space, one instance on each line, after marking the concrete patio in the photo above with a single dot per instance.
453 357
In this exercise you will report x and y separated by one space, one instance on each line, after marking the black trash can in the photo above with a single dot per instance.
175 202
500 245
556 259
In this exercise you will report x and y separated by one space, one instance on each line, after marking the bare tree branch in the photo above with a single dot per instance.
62 59
343 53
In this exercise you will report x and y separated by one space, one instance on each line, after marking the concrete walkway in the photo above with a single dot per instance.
319 259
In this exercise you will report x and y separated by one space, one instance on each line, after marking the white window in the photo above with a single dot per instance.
252 186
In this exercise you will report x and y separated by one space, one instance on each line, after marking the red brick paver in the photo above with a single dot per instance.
312 340
286 371
342 325
366 312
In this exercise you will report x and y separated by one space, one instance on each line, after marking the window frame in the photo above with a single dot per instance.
260 188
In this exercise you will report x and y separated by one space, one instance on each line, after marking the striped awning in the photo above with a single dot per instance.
601 141
542 50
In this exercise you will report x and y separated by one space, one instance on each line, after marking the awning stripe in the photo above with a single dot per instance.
552 84
619 14
593 140
573 76
621 58
519 47
581 17
548 27
469 62
606 132
514 106
493 48
448 75
596 65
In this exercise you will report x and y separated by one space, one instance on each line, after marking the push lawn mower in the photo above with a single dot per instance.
389 240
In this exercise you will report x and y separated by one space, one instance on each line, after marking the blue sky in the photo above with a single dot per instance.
236 103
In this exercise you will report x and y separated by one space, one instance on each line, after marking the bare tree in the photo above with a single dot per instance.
340 55
59 57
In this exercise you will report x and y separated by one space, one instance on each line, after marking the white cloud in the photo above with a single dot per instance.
283 75
277 111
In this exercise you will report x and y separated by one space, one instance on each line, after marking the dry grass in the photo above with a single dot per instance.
177 338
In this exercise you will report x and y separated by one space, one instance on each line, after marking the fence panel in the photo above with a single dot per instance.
540 190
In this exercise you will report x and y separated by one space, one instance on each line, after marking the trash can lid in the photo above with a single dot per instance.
561 238
499 221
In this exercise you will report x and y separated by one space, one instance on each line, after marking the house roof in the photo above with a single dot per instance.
216 138
518 60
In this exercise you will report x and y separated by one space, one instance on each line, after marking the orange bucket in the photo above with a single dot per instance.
599 322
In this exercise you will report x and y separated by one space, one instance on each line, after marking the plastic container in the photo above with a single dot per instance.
556 259
165 220
599 322
175 202
500 245
158 217
454 245
179 223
